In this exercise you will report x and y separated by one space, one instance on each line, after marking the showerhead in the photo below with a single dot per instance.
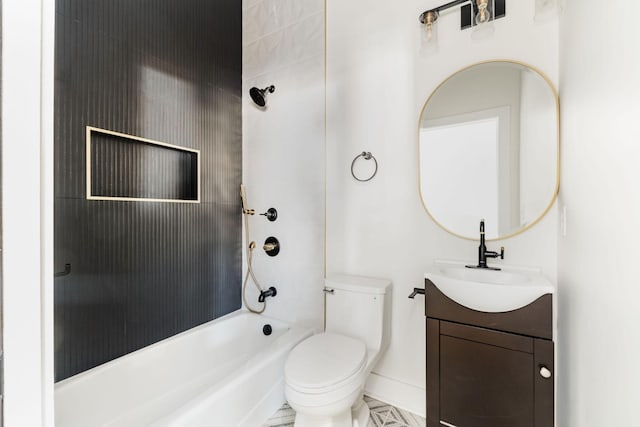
259 96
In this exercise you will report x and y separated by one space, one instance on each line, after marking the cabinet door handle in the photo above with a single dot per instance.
545 372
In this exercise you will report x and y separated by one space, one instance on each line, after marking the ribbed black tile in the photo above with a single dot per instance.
165 70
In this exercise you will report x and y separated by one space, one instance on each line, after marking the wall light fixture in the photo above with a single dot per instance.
475 14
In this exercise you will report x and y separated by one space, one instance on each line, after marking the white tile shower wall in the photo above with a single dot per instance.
263 18
285 47
377 83
283 148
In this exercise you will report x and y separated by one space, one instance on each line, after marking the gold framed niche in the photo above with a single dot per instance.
90 130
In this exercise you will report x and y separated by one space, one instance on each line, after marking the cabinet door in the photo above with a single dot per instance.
482 385
478 377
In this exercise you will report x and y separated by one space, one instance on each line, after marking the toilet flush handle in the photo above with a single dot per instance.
329 291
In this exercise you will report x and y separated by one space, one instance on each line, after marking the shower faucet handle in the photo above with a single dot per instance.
271 246
271 214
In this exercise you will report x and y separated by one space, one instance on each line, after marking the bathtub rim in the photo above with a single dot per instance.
97 370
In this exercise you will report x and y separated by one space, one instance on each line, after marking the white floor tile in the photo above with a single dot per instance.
382 415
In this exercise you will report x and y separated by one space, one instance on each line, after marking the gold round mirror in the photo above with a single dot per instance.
489 149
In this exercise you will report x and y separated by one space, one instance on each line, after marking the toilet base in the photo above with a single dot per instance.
360 413
356 416
342 419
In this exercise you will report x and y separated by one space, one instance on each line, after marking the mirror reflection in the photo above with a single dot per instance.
489 150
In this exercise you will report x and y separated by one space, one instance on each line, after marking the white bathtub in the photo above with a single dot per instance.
223 373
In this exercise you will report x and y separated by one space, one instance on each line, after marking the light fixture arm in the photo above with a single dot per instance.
433 13
451 4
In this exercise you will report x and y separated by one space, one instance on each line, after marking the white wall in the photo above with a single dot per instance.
599 315
284 153
27 212
377 83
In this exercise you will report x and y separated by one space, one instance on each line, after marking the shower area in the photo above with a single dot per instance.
148 157
155 130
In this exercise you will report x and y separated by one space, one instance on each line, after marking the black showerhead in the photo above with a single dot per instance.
259 96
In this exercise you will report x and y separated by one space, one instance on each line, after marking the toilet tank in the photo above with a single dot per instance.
359 307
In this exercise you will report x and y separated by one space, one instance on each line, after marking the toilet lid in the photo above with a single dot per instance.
324 360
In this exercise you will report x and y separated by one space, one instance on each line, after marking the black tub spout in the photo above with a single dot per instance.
271 292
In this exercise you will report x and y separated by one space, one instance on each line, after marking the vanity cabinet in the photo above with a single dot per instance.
488 369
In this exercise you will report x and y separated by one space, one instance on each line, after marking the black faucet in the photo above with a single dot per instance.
483 253
416 291
271 292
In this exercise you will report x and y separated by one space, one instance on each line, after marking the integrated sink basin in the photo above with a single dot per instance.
489 290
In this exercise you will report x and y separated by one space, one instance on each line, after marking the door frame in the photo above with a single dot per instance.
27 210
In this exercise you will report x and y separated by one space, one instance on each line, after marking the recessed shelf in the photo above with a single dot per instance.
129 168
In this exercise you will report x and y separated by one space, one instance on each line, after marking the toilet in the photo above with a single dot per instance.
325 374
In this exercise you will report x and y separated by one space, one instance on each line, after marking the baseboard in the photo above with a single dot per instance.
401 395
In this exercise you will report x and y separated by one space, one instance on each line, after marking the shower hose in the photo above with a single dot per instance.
250 247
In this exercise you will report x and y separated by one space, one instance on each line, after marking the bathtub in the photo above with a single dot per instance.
223 373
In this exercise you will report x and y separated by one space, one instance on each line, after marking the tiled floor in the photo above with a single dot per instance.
382 415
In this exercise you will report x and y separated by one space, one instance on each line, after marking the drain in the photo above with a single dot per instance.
266 329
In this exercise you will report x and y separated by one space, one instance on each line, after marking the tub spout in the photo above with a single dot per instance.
271 292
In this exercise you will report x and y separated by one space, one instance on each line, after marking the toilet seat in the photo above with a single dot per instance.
324 363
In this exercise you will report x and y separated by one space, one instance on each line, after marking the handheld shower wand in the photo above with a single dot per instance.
250 247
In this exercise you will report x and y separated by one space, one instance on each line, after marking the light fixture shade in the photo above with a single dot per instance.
483 20
546 10
429 36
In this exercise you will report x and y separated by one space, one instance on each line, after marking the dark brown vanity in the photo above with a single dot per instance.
489 369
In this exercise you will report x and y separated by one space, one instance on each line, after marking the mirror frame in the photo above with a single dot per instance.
556 191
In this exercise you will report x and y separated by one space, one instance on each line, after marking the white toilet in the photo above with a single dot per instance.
325 374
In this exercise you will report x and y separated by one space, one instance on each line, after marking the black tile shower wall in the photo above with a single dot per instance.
165 70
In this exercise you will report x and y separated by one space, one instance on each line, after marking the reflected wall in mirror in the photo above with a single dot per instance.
489 149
